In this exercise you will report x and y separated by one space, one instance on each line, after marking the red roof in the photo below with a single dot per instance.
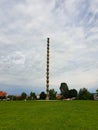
2 94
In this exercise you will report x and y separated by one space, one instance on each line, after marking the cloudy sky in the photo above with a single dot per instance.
72 26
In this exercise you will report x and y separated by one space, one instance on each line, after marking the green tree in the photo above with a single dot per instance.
11 97
42 96
84 94
64 90
32 95
23 95
73 93
97 91
52 94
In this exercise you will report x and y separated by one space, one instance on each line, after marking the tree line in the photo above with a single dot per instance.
65 94
33 96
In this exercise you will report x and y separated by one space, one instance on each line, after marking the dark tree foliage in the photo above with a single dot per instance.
84 94
52 94
32 95
23 95
73 93
91 96
11 97
64 90
42 96
97 91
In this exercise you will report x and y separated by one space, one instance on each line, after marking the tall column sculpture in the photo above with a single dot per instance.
47 71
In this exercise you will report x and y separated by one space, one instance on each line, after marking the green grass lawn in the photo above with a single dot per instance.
48 115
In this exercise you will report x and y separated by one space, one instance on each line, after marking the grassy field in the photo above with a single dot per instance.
48 115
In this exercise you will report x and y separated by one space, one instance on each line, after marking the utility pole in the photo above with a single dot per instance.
47 71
